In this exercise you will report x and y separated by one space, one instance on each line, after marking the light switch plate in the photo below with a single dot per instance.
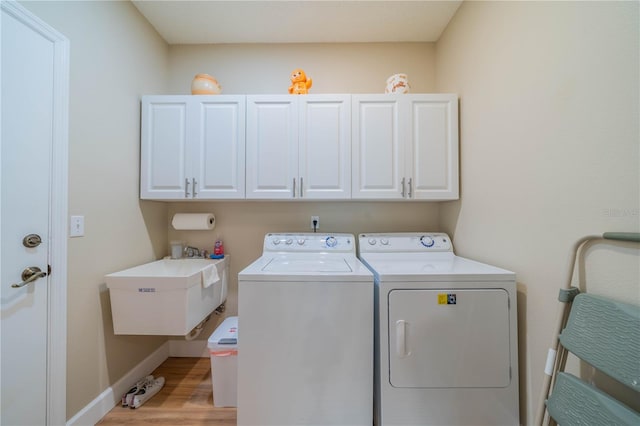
76 226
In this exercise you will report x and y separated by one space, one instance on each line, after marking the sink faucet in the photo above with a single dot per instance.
192 252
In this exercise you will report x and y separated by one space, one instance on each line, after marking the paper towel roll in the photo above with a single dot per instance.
193 221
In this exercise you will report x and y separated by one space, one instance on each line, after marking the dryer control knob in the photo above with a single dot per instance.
289 241
331 241
384 242
372 242
301 242
427 241
275 241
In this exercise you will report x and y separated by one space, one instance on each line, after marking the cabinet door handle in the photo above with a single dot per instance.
193 187
186 188
402 192
294 187
301 186
409 194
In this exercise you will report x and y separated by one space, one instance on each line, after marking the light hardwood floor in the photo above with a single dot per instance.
185 399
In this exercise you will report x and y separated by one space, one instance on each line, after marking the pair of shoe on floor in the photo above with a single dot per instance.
142 391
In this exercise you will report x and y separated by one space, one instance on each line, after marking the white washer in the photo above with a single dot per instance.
305 351
446 334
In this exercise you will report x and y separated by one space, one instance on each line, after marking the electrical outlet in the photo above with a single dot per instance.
76 226
317 223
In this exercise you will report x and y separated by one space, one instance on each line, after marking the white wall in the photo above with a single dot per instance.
243 225
115 57
549 150
334 68
265 68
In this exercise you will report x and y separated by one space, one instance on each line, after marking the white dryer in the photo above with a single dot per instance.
305 355
446 334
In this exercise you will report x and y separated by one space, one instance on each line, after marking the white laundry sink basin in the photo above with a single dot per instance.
169 273
166 297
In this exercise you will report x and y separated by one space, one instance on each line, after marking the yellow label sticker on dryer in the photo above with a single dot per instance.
446 299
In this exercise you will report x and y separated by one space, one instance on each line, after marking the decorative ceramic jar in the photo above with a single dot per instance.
397 83
204 84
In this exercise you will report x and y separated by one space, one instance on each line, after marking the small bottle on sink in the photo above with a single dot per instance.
218 250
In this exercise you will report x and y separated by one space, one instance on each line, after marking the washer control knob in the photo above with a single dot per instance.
275 241
372 241
331 241
427 241
289 241
301 242
384 242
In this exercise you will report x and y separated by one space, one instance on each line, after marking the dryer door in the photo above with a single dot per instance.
449 338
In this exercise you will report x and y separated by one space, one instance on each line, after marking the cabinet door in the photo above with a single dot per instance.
325 147
163 150
432 160
218 147
378 150
272 147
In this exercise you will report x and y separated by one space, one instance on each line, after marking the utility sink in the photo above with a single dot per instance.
167 297
165 273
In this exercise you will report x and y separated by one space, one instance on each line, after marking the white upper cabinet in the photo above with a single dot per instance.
432 161
163 150
272 146
378 151
307 147
219 162
405 147
325 146
298 147
192 147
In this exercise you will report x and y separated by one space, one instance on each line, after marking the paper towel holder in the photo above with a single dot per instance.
193 221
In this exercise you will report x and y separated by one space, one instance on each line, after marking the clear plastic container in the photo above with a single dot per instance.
177 248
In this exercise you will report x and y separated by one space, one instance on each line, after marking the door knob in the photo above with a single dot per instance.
29 275
31 240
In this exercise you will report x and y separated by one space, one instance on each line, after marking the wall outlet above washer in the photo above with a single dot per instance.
315 223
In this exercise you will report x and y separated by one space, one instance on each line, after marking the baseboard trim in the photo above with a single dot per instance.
99 407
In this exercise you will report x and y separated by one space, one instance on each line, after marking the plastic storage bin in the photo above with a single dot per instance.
223 349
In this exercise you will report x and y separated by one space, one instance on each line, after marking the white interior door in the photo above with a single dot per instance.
31 126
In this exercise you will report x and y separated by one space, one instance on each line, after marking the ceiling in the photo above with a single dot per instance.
324 21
